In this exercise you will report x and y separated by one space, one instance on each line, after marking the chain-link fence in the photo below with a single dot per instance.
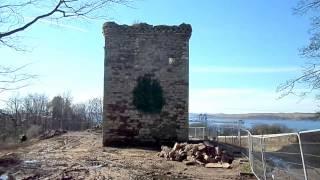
197 133
310 146
282 156
291 156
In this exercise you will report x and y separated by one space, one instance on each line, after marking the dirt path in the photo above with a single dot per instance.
80 155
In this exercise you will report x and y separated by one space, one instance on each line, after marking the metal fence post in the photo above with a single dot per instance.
262 156
203 132
219 133
206 126
232 142
302 157
250 149
239 133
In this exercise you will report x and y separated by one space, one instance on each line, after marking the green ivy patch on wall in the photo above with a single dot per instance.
148 95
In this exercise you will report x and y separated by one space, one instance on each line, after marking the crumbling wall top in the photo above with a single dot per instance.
112 27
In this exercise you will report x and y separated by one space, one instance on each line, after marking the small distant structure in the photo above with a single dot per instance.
146 83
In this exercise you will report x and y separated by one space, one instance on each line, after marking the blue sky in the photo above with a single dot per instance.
240 51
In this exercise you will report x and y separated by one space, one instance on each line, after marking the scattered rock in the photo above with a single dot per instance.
218 165
201 147
189 163
185 169
200 163
176 147
218 151
217 158
213 165
226 165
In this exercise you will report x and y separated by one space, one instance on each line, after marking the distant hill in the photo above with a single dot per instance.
293 116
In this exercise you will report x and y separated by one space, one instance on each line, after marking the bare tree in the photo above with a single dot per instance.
35 108
80 120
25 113
33 114
309 80
13 14
94 111
13 78
15 108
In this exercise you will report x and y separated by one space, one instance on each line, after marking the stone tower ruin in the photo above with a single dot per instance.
146 83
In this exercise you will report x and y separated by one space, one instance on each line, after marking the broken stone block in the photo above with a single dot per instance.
176 147
218 151
218 165
199 162
164 151
226 165
199 155
180 156
213 165
201 147
188 147
190 158
209 159
218 158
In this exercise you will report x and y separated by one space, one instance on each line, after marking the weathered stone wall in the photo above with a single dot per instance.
131 52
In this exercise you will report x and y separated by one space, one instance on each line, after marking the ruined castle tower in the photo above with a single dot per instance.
146 83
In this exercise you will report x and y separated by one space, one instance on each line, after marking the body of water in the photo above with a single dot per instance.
296 125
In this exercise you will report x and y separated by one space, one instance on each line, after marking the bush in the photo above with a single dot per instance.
270 129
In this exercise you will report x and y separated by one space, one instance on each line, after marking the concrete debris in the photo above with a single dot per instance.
203 154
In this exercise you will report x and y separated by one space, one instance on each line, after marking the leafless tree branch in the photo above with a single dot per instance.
62 9
310 77
304 6
13 78
12 22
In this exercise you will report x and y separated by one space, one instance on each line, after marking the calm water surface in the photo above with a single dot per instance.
296 125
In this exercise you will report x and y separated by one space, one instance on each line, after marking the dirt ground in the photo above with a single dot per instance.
80 155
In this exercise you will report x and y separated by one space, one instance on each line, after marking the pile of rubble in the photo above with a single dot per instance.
203 154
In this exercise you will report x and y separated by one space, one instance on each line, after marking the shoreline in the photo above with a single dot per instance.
262 116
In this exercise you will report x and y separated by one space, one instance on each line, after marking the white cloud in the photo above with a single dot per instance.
217 69
245 100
